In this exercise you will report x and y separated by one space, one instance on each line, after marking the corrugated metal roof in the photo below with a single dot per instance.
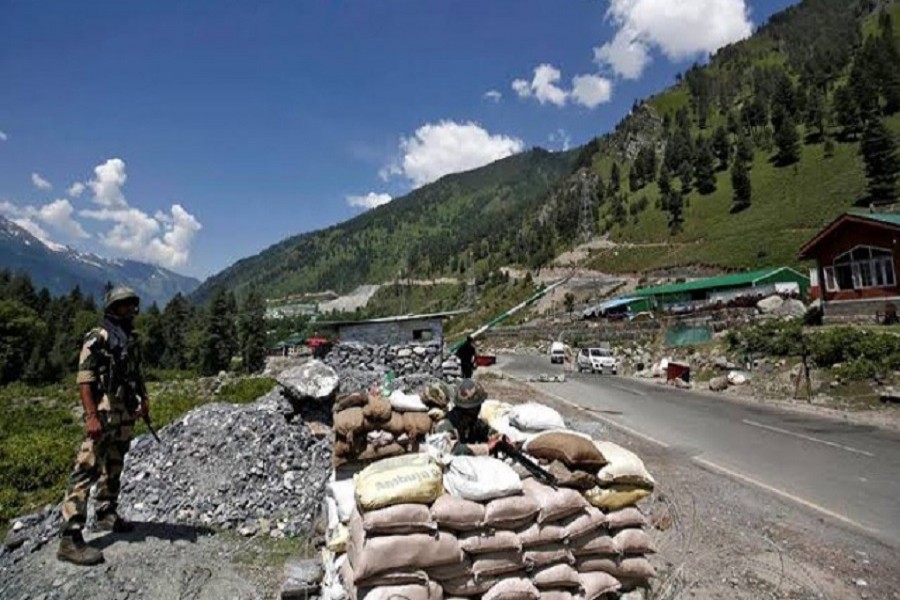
410 317
599 309
722 281
890 218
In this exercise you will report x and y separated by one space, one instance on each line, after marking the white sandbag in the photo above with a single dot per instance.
623 466
481 478
503 426
535 417
403 402
344 495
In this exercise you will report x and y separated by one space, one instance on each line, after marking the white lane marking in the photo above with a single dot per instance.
784 494
808 438
603 418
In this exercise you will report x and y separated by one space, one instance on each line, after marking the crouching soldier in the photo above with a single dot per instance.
113 395
462 422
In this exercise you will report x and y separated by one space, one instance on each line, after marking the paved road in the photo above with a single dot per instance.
849 472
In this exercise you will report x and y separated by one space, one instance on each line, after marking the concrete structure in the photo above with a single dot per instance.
694 295
398 330
855 274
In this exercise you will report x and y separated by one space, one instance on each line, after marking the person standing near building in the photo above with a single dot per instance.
113 394
466 355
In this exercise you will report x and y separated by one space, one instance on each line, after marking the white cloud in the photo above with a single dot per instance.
544 85
107 183
33 228
3 136
521 87
591 90
76 189
58 214
438 149
493 95
679 28
40 183
370 200
562 136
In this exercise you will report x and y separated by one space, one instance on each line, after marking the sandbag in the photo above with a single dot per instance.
346 400
554 504
480 478
624 466
430 591
377 410
533 417
501 425
543 556
594 545
513 588
399 519
625 517
631 568
372 556
487 542
337 539
417 424
634 541
577 479
348 421
557 595
457 514
555 577
511 512
542 535
597 583
481 450
459 570
572 448
436 395
403 402
496 563
344 496
379 452
616 496
397 425
415 577
412 478
467 586
586 522
492 409
379 438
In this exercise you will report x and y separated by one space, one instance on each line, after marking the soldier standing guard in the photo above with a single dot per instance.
113 395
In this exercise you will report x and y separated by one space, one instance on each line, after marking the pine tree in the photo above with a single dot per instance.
152 328
675 206
889 58
721 146
175 320
218 344
664 181
686 175
704 168
253 332
879 151
615 180
847 113
815 114
745 149
740 182
787 139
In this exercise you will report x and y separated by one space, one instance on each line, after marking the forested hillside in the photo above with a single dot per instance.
734 166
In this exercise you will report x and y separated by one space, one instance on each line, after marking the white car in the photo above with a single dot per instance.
557 353
597 360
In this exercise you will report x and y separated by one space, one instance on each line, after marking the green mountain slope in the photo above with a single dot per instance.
423 233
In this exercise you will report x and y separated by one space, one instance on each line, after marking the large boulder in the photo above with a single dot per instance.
718 384
311 381
791 309
738 378
770 305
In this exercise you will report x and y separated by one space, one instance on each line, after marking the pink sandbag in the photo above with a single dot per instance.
511 512
540 535
586 522
626 517
598 583
544 556
490 541
594 545
457 514
399 519
554 504
556 577
634 541
518 588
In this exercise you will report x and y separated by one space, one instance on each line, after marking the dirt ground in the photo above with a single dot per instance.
722 539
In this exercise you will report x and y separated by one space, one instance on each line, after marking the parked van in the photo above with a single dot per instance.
557 352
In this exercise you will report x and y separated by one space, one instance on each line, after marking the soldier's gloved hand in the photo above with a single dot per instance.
93 426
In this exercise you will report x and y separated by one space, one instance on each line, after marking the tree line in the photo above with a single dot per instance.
41 335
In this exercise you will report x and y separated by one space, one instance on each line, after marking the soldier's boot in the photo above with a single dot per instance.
73 549
113 522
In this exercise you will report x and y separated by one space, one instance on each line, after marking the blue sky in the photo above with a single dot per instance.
194 134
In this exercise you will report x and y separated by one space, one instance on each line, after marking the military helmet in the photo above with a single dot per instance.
118 294
471 394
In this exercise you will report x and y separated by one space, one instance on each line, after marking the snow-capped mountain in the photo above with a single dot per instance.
59 268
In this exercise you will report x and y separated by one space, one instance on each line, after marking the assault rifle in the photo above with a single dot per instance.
502 445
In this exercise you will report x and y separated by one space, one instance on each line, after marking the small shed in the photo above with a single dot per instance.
397 330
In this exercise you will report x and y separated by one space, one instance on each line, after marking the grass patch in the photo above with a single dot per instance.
246 389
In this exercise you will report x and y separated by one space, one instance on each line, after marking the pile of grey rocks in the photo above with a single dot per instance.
402 360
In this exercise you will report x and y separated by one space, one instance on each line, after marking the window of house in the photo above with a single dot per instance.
423 335
861 268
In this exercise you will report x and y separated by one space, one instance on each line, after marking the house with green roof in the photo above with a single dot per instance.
723 289
856 263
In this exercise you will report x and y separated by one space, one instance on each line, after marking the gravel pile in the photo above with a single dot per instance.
402 360
234 467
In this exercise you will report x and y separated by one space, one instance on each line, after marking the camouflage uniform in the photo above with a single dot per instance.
116 380
462 421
